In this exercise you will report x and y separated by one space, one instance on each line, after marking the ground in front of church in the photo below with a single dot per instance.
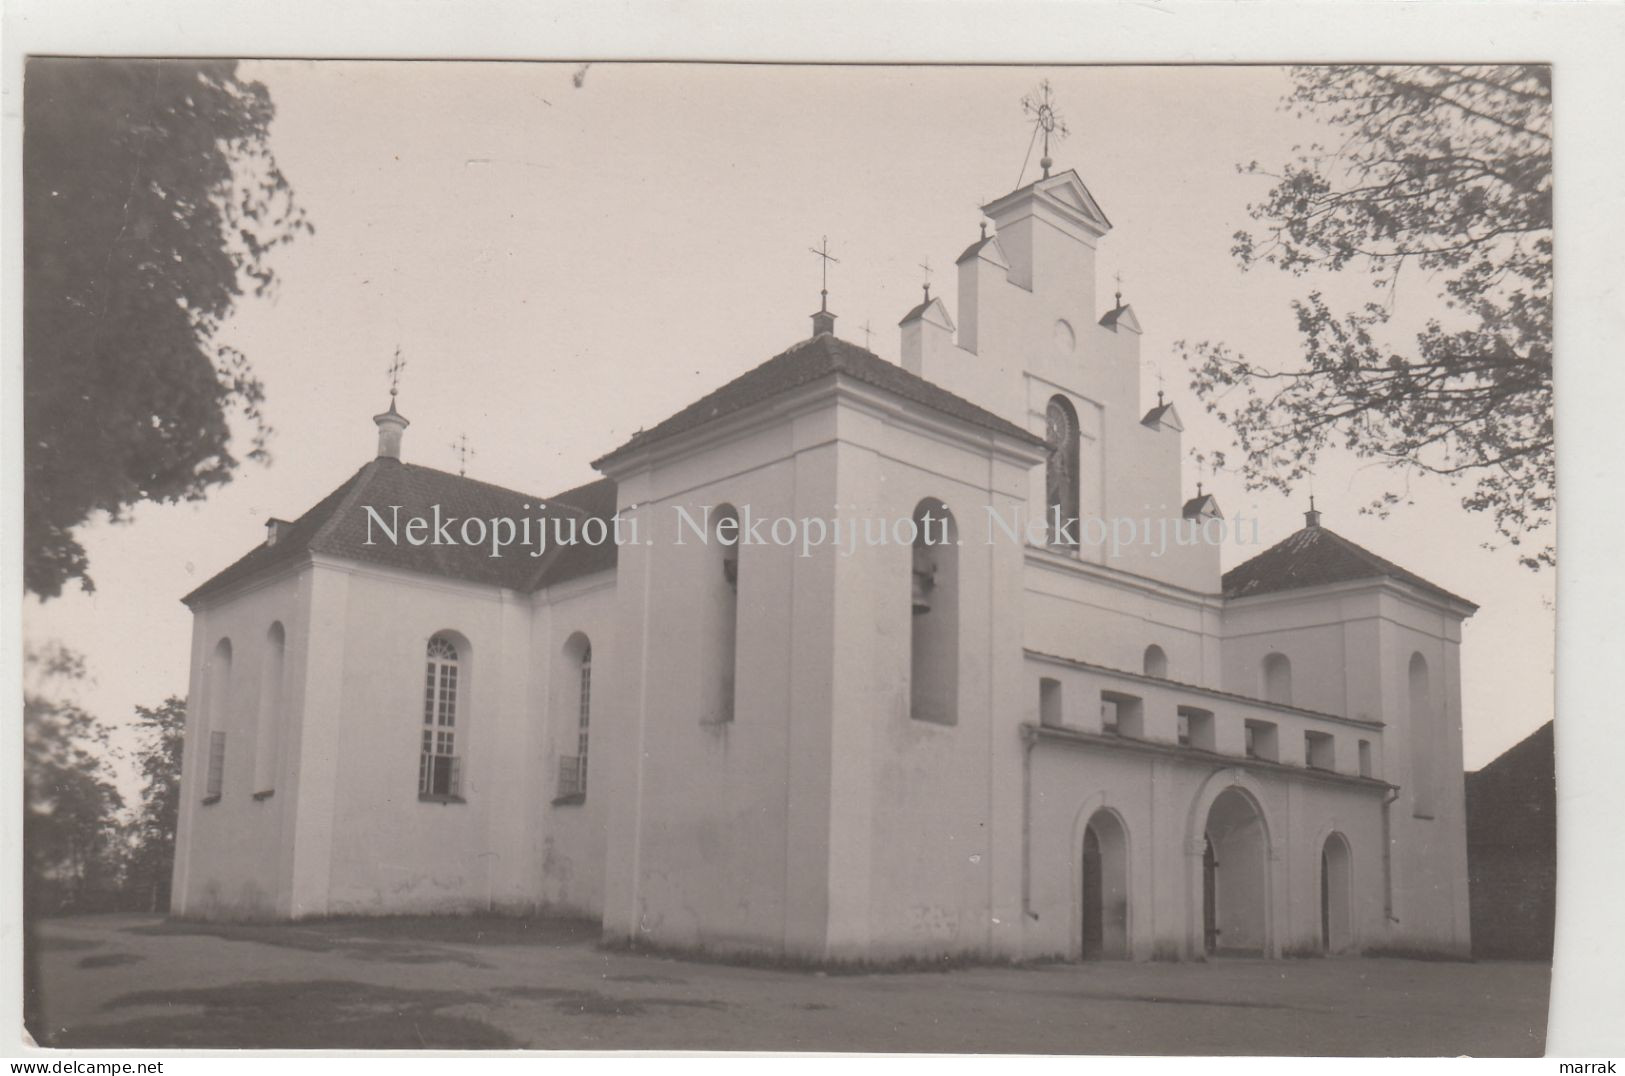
490 983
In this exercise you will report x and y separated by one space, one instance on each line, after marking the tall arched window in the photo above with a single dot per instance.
584 712
726 533
1061 472
1156 662
1278 679
439 767
578 668
217 716
268 736
934 601
1422 730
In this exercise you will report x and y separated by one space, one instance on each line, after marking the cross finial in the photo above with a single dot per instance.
1040 105
926 265
984 229
394 371
823 252
1199 487
1119 289
464 453
867 333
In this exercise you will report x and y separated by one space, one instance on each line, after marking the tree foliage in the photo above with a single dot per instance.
71 835
1445 171
151 203
152 853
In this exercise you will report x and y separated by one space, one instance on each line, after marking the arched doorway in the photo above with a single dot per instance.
1105 888
1336 929
1234 877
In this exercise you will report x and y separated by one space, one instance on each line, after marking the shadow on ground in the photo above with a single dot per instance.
313 1014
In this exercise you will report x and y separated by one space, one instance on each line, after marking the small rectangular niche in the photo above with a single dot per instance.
1049 702
1319 750
1196 728
1365 758
1122 715
1262 740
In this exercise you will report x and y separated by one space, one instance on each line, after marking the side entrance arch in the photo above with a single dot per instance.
1105 888
1336 877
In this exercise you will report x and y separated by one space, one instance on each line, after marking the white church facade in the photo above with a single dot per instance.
1004 746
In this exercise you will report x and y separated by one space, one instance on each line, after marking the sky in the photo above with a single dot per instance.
561 265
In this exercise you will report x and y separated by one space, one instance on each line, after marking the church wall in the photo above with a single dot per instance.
1312 631
934 799
701 821
228 864
564 841
390 851
1036 334
1430 863
1350 649
1162 803
1073 615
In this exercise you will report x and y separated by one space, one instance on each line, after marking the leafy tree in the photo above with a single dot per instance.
151 202
1447 171
70 805
153 853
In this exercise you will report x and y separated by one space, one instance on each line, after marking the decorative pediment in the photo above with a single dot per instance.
933 312
1121 317
1068 189
1064 195
1163 417
987 249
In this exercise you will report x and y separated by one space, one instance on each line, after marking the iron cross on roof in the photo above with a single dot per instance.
823 252
1040 105
464 453
926 265
394 372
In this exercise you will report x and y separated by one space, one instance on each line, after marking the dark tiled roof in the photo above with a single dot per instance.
1313 557
812 360
337 526
1110 317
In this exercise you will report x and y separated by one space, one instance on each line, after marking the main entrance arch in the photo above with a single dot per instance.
1235 876
1105 888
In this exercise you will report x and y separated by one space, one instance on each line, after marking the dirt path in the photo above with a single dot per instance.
130 981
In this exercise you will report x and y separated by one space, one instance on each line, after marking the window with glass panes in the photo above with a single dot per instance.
437 766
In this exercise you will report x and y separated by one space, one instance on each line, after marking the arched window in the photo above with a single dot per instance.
726 533
217 716
1422 730
934 603
1156 662
439 766
584 712
1061 472
268 736
578 685
1278 679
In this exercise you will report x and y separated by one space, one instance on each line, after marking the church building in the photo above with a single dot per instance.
1018 742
